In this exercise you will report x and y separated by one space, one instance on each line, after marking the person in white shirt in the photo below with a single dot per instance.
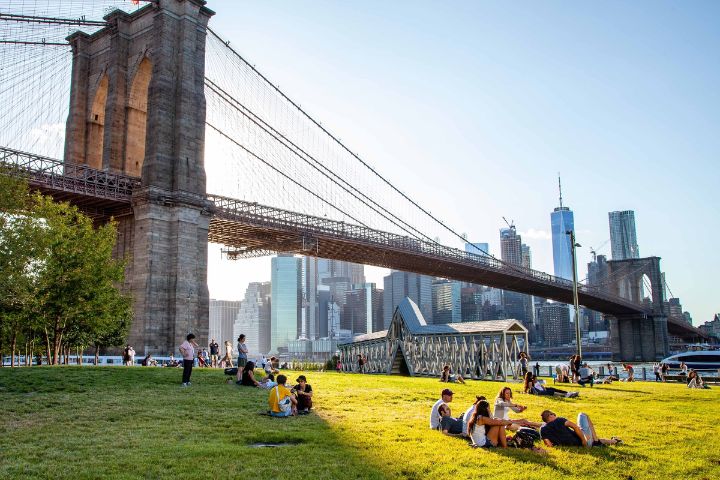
188 352
445 398
503 405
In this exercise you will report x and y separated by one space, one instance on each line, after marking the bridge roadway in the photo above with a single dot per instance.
254 229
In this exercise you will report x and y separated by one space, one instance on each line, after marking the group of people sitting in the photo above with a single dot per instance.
282 401
486 430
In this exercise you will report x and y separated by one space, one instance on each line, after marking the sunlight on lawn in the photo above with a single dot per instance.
117 422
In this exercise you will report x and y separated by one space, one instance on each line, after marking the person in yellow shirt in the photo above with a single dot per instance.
282 403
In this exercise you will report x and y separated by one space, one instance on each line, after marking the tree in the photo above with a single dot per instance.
77 283
58 279
19 242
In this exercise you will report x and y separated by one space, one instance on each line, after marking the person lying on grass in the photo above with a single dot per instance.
448 424
503 405
448 377
282 403
485 431
534 386
246 376
561 432
268 382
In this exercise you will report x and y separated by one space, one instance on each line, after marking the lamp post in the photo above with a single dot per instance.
573 245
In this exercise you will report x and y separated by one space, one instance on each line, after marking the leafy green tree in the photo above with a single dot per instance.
59 283
77 284
19 242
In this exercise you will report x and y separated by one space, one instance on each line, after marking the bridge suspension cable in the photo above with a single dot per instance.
238 67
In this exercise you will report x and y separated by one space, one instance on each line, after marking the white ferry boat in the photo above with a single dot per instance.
699 360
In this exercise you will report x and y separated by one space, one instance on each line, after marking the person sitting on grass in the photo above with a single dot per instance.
630 372
534 386
503 405
695 380
448 377
586 375
304 393
445 398
561 432
448 424
485 431
246 376
281 401
468 413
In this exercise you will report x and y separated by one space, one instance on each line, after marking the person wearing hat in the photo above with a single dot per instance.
435 417
304 393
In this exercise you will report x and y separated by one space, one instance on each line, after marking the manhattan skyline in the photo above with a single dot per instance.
472 110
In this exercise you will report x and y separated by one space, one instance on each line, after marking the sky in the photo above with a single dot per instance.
473 108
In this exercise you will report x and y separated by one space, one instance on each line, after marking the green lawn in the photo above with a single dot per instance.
116 422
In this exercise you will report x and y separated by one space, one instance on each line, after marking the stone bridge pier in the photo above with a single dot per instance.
137 106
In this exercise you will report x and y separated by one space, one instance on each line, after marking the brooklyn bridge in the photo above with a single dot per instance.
122 117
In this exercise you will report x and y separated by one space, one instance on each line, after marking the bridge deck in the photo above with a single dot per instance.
251 227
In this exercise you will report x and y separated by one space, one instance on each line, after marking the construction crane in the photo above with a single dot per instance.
593 251
510 224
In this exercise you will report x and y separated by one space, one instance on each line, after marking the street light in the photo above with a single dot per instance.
573 245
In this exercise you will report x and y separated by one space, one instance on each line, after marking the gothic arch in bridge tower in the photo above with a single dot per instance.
137 118
96 125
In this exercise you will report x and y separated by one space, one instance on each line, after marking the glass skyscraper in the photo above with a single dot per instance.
623 238
562 221
286 301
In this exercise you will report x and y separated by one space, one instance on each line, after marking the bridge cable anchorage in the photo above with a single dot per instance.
249 152
338 142
314 163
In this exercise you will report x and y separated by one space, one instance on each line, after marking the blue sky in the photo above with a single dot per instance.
474 107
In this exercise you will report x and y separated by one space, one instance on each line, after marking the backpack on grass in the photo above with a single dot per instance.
524 438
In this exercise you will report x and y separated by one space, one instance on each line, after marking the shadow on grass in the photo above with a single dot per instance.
119 422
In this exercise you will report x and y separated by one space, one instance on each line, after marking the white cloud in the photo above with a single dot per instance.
536 234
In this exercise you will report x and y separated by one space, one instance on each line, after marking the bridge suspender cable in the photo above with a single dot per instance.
315 164
317 124
249 152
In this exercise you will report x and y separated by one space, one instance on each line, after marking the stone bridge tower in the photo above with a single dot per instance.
638 337
137 106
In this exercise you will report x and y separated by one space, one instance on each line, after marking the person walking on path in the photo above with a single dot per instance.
242 351
188 352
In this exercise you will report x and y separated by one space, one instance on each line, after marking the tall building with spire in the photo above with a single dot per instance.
561 222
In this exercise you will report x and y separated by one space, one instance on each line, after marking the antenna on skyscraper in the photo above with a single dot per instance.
560 189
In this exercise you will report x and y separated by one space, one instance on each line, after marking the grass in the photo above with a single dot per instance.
137 423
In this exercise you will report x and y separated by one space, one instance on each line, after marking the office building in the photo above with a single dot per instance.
222 319
399 285
561 222
482 249
286 301
446 301
555 321
510 246
363 309
253 319
623 238
597 277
